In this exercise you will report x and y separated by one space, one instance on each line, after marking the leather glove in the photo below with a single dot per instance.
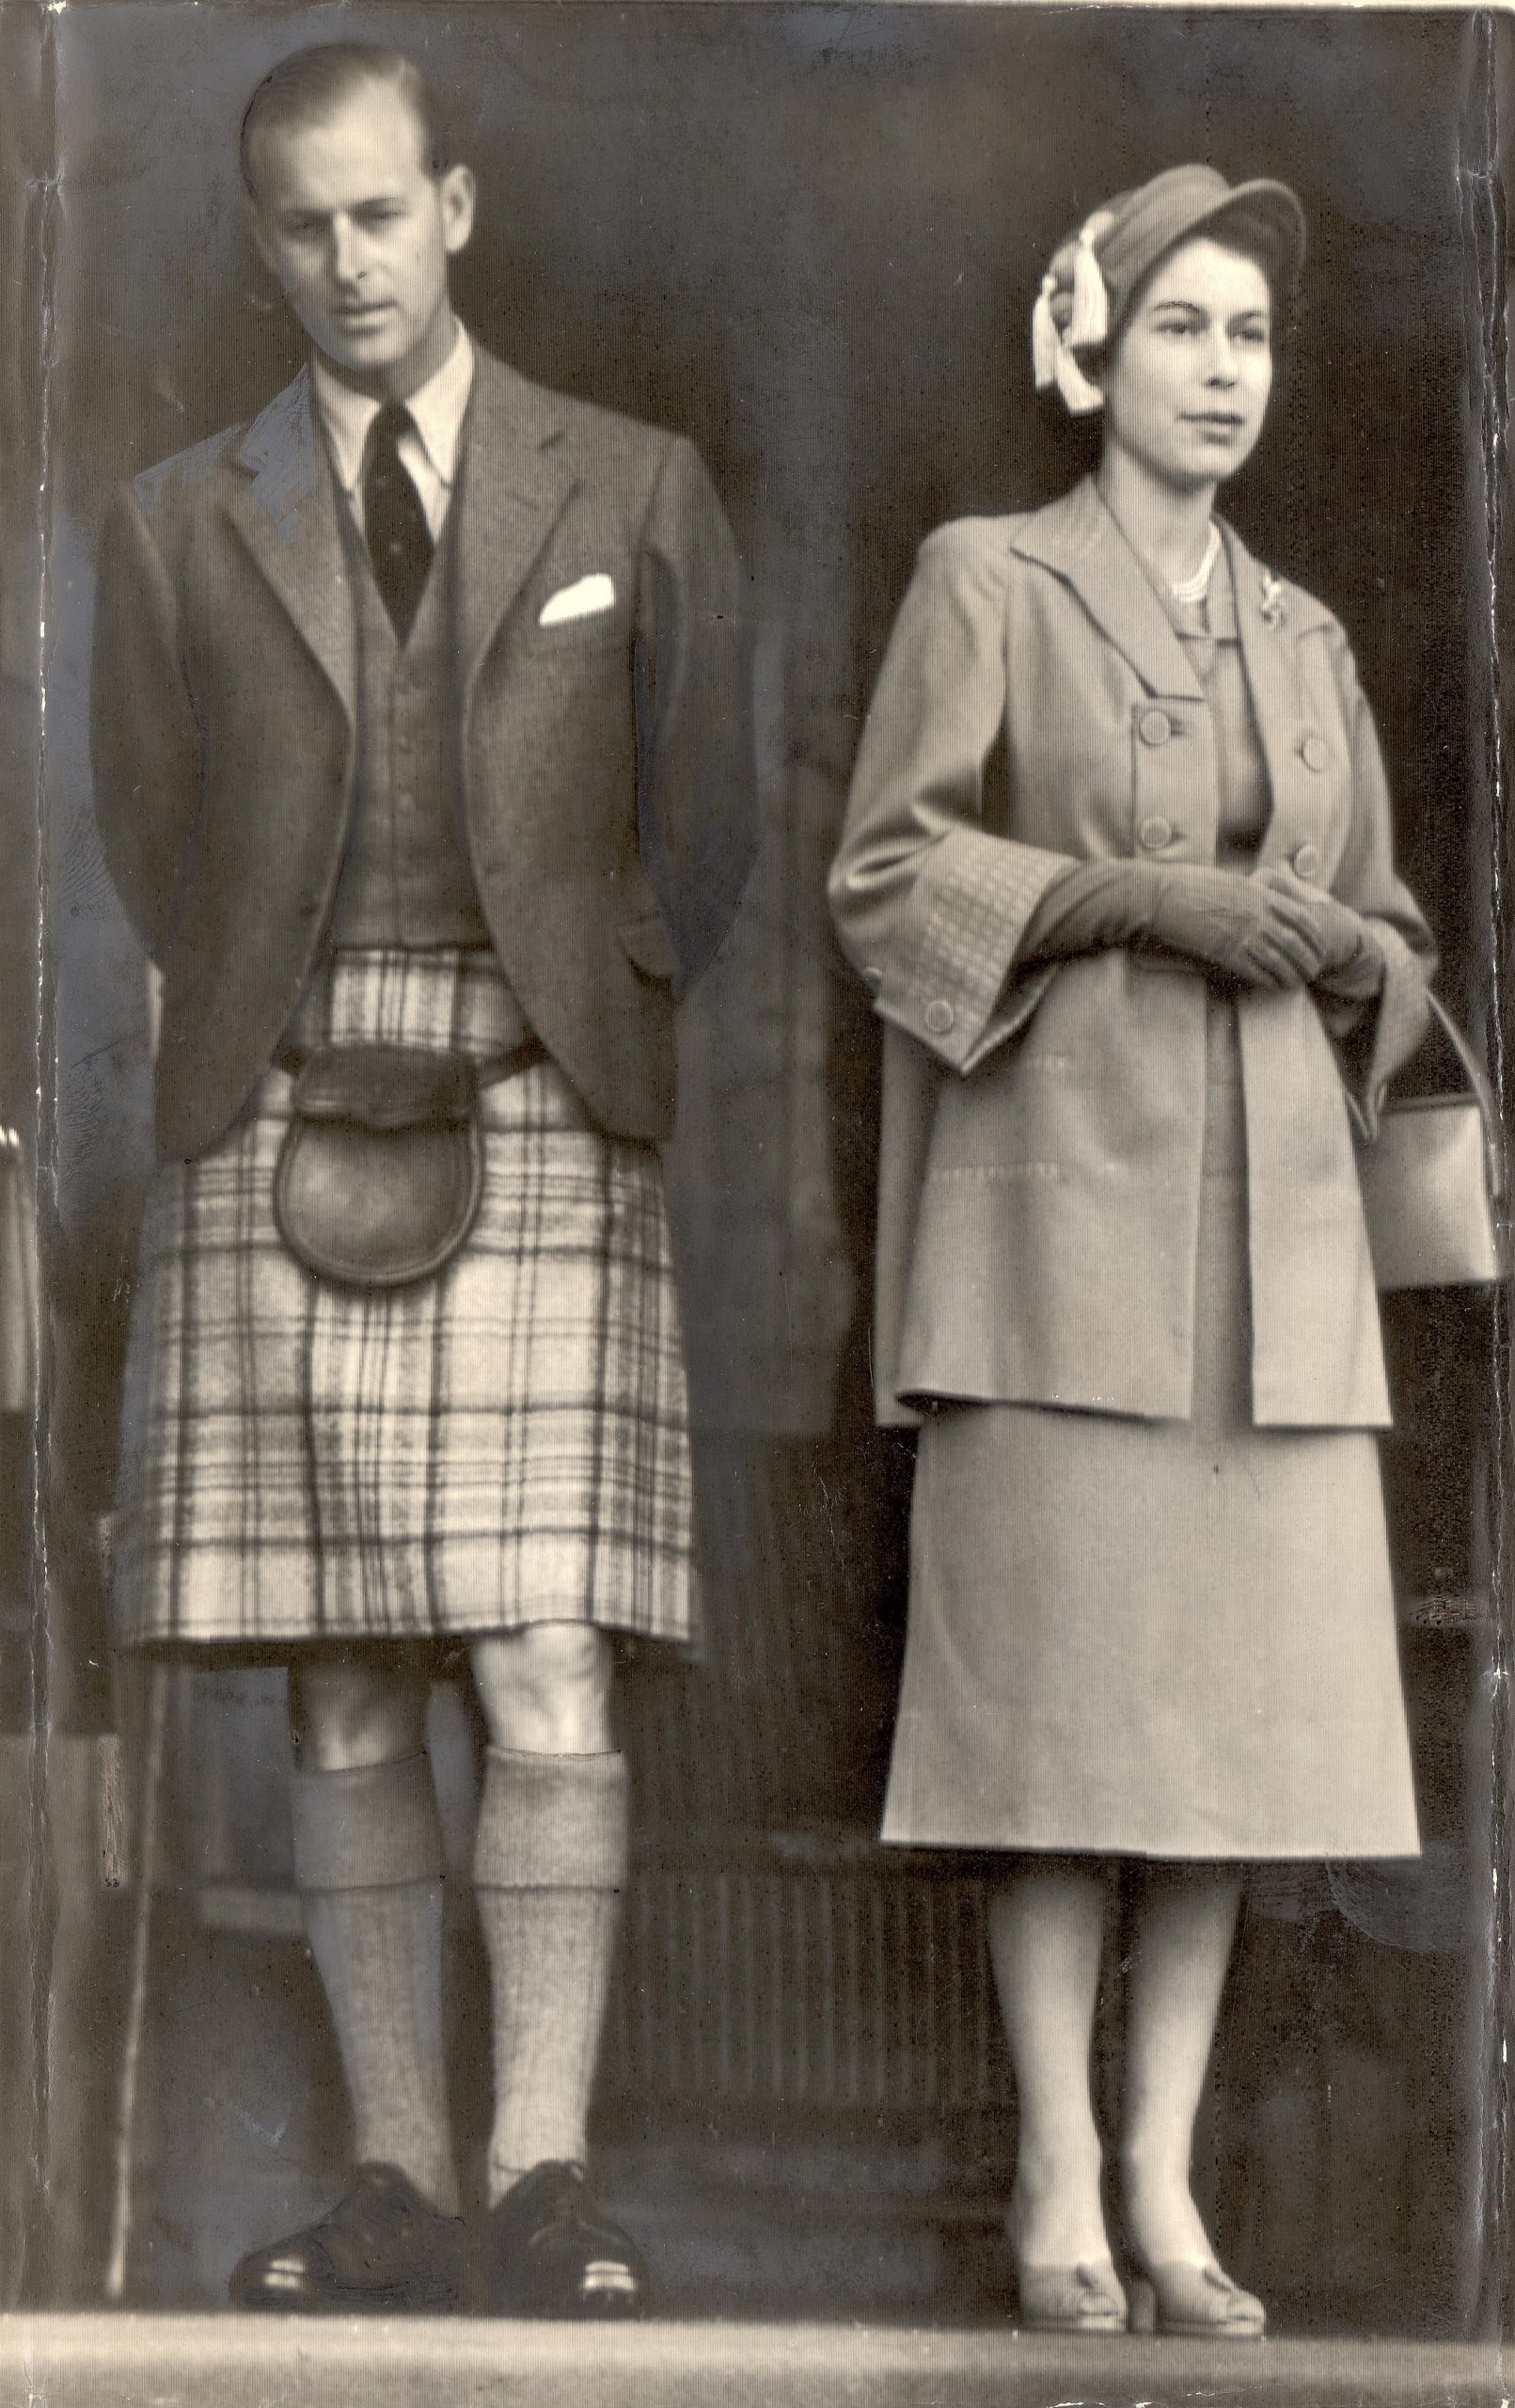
1351 960
1249 928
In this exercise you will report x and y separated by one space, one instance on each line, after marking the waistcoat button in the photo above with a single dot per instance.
1154 727
1315 751
1307 860
1156 833
939 1016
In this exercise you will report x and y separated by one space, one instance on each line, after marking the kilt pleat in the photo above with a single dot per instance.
505 1443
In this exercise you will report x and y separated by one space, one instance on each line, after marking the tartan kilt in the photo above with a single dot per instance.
505 1443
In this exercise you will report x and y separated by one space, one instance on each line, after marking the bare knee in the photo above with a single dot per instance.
366 1706
546 1690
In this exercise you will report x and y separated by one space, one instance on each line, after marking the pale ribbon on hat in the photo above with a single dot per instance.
1051 350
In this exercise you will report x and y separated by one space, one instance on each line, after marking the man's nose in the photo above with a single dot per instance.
346 261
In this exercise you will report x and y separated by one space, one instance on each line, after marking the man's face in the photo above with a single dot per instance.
359 235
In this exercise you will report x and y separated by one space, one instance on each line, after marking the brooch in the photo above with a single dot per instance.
1273 599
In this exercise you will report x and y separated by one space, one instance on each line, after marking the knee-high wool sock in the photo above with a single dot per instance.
549 1862
368 1861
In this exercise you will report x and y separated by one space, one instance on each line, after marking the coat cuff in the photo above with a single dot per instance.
1392 1030
951 991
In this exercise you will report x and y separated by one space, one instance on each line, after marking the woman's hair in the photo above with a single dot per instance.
1251 236
1243 230
309 85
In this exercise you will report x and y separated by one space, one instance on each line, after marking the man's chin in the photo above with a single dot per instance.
364 346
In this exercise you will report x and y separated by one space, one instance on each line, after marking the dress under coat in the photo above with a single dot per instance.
1123 1273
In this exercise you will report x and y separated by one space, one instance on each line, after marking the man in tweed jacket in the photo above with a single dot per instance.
419 718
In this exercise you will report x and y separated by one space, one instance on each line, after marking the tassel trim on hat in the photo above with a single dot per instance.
1051 350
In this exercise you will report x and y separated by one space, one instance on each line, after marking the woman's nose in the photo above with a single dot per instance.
1220 366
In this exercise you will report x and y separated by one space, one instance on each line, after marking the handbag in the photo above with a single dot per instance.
380 1169
1433 1183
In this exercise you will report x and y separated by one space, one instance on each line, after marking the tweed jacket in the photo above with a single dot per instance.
1043 1129
606 803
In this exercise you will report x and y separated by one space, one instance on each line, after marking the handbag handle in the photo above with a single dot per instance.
1482 1093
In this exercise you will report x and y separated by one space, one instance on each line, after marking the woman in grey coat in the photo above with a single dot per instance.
1117 867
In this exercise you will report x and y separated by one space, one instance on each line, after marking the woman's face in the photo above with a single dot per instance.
1186 387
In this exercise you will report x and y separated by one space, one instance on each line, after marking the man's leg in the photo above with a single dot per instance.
368 1856
549 1864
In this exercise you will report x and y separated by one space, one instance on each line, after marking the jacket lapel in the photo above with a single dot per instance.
516 479
1078 539
1272 675
287 517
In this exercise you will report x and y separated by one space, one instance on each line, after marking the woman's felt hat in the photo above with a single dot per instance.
1094 274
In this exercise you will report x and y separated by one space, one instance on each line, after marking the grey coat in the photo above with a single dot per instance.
606 785
1039 1185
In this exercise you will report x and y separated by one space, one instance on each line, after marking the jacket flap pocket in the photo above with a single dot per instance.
386 1086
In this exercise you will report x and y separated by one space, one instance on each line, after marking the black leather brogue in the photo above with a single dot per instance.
382 2250
551 2250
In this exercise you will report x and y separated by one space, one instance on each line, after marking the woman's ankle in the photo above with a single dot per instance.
1056 2214
1159 2219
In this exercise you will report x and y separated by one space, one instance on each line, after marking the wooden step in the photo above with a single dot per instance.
251 2362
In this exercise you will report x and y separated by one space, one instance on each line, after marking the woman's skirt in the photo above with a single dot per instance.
505 1443
1155 1637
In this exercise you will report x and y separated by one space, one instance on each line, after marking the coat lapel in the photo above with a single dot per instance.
516 479
1269 619
1078 538
287 517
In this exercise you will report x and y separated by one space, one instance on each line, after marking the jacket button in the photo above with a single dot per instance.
1315 751
1156 833
872 978
1306 859
1154 727
939 1016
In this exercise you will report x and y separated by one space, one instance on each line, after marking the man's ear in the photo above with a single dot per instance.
262 244
458 195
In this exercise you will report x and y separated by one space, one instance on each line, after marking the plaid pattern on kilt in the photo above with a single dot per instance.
506 1443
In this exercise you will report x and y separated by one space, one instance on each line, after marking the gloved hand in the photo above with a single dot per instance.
1245 926
1341 934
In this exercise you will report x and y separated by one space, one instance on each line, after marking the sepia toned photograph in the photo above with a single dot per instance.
754 1415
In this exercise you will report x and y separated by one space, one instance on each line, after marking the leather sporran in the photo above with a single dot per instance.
380 1169
1433 1184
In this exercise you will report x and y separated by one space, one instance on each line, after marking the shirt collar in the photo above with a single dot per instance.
438 409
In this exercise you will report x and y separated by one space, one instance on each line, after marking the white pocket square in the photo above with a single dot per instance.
578 601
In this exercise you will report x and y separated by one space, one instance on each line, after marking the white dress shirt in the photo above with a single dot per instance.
428 447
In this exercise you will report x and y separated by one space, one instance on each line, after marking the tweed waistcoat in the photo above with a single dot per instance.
405 879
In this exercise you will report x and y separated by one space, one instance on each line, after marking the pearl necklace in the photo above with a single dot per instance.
1194 588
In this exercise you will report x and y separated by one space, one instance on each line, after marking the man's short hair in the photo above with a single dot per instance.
309 85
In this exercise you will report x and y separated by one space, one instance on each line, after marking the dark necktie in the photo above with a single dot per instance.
400 541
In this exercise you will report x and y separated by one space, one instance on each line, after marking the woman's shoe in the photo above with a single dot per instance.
1198 2301
1070 2299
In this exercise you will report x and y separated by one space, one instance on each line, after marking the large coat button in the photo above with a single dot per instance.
1156 833
1154 727
1315 751
939 1016
1307 860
